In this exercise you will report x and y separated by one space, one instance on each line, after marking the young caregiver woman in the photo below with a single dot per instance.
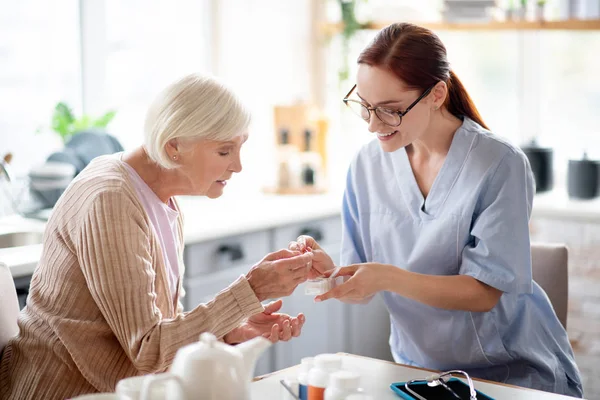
435 216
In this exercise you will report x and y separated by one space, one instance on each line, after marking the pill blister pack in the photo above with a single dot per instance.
314 287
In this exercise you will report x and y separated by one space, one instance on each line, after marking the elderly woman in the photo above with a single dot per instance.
103 303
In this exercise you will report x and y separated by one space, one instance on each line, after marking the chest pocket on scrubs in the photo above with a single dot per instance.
427 245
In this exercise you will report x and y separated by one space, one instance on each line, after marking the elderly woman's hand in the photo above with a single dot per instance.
268 324
321 262
278 274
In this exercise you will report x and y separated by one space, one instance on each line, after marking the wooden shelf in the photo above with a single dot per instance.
569 25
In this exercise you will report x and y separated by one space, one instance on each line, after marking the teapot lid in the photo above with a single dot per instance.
209 347
207 350
208 339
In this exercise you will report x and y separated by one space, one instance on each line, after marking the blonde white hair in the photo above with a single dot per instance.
192 108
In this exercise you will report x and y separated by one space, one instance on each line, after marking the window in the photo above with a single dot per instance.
39 66
487 64
150 43
569 97
131 50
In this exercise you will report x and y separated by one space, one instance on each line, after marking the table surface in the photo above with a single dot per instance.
377 375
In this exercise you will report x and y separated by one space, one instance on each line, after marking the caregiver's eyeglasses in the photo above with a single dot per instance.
385 115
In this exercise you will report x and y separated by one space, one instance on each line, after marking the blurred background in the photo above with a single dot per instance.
68 66
115 55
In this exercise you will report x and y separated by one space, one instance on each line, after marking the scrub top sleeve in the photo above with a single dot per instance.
499 251
353 251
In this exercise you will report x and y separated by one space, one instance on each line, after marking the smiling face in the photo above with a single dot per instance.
206 165
377 87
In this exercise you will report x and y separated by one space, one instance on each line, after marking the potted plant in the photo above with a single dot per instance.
66 125
522 11
539 10
509 11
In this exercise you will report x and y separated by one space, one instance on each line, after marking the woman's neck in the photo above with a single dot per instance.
436 140
163 182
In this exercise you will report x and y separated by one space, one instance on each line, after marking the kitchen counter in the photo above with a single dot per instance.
205 219
556 204
21 260
376 377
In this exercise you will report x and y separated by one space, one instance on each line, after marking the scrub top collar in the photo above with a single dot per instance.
430 207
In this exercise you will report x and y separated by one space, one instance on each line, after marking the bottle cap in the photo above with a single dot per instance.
328 362
345 380
306 364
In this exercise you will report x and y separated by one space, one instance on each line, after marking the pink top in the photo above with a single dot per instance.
163 218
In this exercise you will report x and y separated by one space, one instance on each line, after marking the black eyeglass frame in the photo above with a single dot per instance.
400 114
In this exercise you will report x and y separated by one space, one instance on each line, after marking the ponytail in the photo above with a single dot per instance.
459 102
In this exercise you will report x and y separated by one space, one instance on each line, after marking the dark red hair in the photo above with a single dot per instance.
417 56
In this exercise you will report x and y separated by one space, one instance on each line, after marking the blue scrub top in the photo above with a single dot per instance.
475 222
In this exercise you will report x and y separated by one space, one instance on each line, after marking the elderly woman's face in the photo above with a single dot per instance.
209 164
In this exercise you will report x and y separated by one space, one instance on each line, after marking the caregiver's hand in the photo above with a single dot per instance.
321 262
278 274
365 280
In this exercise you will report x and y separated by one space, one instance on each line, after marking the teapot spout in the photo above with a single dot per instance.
251 351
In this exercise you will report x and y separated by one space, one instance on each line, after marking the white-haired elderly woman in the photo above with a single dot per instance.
103 303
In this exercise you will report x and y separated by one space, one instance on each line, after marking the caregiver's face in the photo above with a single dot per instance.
378 87
207 165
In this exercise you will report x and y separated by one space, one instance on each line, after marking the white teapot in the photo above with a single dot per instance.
211 370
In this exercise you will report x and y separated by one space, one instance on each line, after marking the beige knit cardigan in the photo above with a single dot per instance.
100 308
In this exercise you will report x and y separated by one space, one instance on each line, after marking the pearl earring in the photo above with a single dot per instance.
175 157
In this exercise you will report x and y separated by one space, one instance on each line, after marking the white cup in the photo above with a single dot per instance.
99 396
131 388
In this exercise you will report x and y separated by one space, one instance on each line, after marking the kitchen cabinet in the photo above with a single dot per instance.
369 329
324 330
327 231
214 256
330 327
202 289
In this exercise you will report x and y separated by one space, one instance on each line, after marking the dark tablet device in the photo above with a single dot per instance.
437 392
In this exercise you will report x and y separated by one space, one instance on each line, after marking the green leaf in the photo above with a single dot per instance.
60 126
63 111
104 120
81 124
62 119
66 125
